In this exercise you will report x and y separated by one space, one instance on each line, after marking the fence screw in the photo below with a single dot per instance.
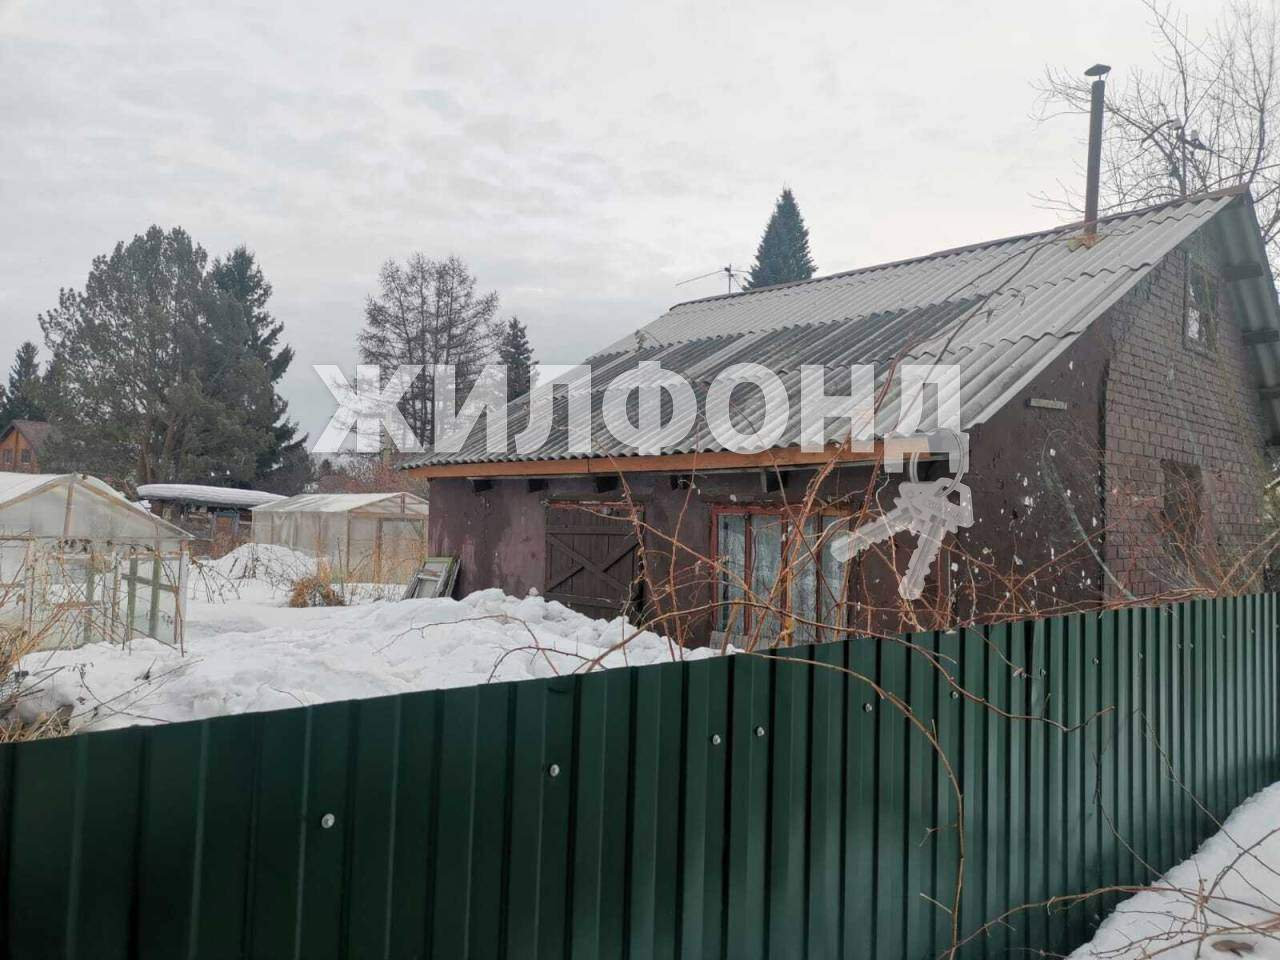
759 731
327 821
1096 661
867 708
715 738
554 770
954 695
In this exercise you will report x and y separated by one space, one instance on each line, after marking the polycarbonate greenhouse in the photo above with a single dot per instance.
363 537
79 563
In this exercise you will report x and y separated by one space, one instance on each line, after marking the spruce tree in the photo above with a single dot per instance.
239 276
783 255
152 373
21 401
514 351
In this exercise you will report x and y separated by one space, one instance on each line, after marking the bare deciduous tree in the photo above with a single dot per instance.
428 312
1204 118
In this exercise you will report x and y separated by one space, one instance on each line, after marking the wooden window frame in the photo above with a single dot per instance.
782 513
1207 341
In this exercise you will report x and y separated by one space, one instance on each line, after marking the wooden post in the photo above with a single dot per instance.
153 621
132 580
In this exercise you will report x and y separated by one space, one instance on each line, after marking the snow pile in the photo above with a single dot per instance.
261 561
1236 871
246 656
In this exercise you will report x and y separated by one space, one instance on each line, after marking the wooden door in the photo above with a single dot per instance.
592 558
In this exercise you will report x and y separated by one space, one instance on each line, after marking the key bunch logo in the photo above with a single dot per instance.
653 410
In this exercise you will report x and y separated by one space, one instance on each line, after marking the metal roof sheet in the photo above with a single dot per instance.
203 494
341 503
1000 311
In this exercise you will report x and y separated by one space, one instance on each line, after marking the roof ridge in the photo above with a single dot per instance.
966 248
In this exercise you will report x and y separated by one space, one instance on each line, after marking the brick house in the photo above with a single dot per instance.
1120 395
20 445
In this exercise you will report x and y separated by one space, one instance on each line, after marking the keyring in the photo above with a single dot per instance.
961 451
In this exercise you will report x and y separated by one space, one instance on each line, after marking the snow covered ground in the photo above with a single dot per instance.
1231 884
245 650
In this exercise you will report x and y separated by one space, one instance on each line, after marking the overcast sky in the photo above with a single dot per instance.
581 160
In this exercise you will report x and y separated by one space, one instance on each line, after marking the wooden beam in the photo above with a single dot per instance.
1243 271
536 484
1269 393
661 463
1252 337
481 484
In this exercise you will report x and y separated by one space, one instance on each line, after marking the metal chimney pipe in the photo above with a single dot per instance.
1097 102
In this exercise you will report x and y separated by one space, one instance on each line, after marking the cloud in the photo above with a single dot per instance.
581 159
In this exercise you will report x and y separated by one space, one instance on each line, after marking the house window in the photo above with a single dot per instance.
1183 512
797 576
1200 316
8 457
26 456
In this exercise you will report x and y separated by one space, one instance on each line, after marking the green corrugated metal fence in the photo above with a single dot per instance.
740 807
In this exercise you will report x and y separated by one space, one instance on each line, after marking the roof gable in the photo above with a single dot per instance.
1000 312
35 432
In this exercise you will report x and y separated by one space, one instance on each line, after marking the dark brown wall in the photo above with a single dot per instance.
1047 511
1017 557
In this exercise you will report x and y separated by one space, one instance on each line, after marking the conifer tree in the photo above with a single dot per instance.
783 255
239 276
514 351
21 400
153 375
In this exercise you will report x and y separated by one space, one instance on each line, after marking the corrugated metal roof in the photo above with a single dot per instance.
199 493
1000 311
342 503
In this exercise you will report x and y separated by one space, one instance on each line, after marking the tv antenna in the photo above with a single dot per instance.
731 274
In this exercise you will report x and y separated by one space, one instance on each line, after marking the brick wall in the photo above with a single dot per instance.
1170 405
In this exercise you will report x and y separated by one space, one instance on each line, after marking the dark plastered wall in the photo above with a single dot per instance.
1036 542
1034 476
1040 474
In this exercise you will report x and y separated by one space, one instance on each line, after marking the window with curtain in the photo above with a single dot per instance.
807 585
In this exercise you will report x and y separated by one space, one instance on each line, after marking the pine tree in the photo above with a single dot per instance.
516 354
783 255
21 401
152 373
239 275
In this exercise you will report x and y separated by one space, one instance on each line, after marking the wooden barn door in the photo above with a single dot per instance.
592 558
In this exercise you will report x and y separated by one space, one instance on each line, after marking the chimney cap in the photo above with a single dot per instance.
1098 70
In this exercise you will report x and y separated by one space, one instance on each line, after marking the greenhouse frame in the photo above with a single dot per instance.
362 537
79 563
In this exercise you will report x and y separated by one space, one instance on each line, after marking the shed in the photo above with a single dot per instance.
1121 391
80 563
218 515
20 445
372 537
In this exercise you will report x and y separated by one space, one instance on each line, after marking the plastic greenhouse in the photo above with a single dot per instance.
367 537
79 563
